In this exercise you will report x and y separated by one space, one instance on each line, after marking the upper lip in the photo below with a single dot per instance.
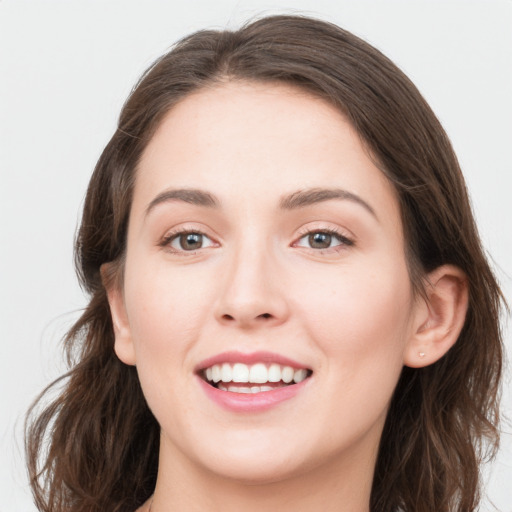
249 359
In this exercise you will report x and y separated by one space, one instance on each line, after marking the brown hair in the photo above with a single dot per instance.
102 449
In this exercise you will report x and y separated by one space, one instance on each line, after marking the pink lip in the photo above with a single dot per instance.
250 402
252 358
253 402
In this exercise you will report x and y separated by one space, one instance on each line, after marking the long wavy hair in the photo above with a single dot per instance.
95 446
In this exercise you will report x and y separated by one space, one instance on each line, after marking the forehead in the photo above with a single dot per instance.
255 142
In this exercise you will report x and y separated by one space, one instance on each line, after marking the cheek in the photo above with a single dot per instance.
166 308
359 316
360 321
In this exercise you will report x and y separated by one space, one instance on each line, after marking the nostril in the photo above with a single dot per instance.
244 319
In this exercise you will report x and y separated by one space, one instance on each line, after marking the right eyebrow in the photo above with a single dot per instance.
187 195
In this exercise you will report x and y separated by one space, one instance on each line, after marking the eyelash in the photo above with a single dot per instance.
170 237
344 241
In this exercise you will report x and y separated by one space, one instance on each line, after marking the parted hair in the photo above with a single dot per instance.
94 447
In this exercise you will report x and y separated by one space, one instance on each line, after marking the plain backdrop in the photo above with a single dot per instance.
66 67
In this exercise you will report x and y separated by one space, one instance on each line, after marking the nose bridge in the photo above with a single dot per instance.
251 291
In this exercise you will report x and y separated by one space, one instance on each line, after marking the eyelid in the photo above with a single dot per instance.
177 237
173 233
345 237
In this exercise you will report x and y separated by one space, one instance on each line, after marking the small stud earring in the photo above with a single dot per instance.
421 354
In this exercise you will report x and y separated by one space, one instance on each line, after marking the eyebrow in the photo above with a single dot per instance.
311 196
293 201
186 195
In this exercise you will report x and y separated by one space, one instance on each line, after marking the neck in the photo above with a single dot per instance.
331 486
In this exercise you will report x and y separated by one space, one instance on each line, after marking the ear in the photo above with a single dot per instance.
438 318
123 344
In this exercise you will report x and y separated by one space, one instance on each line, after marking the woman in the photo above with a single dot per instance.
290 306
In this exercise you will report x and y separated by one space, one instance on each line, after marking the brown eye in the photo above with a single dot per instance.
320 240
189 241
323 240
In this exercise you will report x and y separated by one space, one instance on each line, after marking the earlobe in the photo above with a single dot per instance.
439 317
123 344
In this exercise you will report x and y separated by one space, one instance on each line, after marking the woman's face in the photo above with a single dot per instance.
262 236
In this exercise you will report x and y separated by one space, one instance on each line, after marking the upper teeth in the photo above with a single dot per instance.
258 373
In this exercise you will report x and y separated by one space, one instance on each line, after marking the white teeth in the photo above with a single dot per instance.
287 374
216 373
226 373
258 374
245 390
274 373
299 375
240 372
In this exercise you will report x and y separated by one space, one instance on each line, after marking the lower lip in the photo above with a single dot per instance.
251 402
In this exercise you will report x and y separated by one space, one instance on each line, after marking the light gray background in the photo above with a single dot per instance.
65 70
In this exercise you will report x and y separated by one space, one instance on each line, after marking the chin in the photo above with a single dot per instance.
253 460
257 472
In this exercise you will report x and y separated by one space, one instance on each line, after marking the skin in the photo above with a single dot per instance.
347 312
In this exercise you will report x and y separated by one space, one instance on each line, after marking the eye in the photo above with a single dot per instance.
187 241
323 239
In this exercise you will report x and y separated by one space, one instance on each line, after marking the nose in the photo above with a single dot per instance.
253 293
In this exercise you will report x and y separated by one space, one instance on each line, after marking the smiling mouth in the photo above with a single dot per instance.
256 378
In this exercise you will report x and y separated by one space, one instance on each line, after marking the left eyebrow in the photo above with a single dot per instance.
307 197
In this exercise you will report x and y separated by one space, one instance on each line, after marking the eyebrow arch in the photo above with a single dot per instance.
293 201
187 195
312 196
